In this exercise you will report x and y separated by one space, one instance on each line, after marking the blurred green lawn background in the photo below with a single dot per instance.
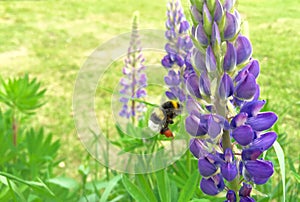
51 40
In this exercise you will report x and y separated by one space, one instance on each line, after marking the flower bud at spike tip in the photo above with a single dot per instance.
207 19
218 11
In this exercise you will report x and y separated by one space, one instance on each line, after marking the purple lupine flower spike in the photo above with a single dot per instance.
134 81
224 105
178 48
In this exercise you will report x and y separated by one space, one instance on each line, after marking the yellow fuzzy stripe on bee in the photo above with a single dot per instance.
175 104
159 113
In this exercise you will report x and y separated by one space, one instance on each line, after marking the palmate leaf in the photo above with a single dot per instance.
22 94
37 186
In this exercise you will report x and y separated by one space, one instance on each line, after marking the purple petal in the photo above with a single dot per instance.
184 26
201 35
198 148
193 85
265 141
243 135
237 16
262 121
204 84
239 120
246 88
254 68
257 93
143 80
230 196
231 26
213 185
210 61
259 170
172 79
251 153
170 34
200 61
214 128
218 11
230 57
169 49
170 95
215 35
192 105
245 190
208 186
179 60
194 127
206 168
228 5
226 87
167 62
124 100
252 108
229 171
243 49
141 93
228 155
247 199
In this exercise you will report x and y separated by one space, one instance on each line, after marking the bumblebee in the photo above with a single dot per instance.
163 116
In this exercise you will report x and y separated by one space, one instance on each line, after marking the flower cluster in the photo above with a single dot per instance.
224 107
134 81
178 49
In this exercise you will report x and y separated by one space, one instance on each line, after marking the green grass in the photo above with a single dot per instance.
52 39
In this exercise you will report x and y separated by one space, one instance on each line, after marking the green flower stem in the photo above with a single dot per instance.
226 143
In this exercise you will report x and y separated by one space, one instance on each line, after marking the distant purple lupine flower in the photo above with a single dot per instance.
224 115
134 81
178 49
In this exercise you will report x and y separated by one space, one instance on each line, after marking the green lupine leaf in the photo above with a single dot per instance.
163 185
190 187
133 190
280 156
111 184
146 187
297 176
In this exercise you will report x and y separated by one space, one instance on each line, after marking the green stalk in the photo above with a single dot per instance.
14 128
226 143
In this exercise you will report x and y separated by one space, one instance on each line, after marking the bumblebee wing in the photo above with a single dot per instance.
157 120
154 126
